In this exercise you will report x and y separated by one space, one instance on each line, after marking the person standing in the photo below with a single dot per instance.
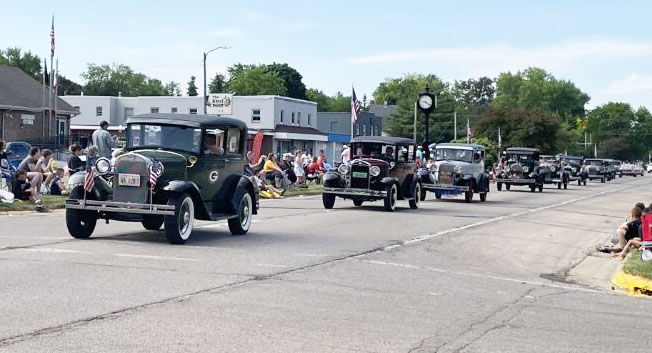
345 156
298 168
102 139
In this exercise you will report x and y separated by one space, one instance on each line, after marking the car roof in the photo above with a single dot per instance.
460 145
191 120
522 150
390 140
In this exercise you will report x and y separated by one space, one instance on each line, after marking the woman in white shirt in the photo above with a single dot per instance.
298 167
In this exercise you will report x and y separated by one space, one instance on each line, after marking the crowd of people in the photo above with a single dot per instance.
628 234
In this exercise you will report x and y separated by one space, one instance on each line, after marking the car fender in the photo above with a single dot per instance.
181 186
409 185
483 183
101 190
389 180
332 180
245 184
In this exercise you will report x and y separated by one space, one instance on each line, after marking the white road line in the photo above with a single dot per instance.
152 257
479 275
271 265
53 250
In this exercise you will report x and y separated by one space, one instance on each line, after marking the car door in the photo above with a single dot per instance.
207 173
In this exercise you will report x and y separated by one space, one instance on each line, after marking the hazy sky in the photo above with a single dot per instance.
605 47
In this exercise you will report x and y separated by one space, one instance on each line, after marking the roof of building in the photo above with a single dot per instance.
460 145
192 120
382 110
20 91
390 140
522 150
298 130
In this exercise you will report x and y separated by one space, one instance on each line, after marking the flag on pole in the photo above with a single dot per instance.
155 169
89 180
500 140
468 131
355 107
56 73
52 38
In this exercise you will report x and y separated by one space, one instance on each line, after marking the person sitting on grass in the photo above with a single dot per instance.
34 175
47 166
57 186
626 233
316 168
24 189
633 236
618 238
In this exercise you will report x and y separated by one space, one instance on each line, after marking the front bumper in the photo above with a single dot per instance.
120 207
445 188
516 181
354 192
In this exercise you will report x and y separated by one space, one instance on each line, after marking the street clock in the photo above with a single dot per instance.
426 101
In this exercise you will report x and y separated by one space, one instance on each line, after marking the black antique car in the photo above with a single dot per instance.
520 167
458 168
553 172
381 168
574 165
597 169
176 168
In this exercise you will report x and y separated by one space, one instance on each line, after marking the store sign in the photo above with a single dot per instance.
27 119
219 104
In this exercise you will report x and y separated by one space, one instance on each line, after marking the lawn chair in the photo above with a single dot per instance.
6 178
646 237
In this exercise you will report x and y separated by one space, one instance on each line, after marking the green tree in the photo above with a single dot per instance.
68 87
172 89
619 131
255 80
340 103
474 93
292 79
105 80
192 87
26 61
217 84
322 100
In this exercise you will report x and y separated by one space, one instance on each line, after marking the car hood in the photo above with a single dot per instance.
463 167
174 163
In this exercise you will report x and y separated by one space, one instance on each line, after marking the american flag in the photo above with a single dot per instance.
500 139
469 134
153 174
89 181
52 38
355 107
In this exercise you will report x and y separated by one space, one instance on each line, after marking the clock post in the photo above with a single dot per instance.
426 103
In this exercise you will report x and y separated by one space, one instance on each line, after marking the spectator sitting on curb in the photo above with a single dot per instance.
29 166
619 238
272 171
47 165
57 186
23 189
632 235
75 163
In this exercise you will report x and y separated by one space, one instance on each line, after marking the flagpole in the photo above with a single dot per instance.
56 98
45 68
415 122
51 67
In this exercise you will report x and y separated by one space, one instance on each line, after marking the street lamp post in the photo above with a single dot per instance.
205 55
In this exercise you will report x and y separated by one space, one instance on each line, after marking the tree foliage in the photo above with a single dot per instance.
619 131
292 79
68 87
217 84
254 80
26 61
192 86
105 80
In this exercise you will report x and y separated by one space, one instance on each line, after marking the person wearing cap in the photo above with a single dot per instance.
103 140
57 186
345 157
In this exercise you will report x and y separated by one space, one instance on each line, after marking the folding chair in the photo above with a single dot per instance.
646 237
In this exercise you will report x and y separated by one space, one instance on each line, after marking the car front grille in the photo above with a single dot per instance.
446 174
131 164
359 176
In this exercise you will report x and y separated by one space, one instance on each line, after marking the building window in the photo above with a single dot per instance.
299 118
308 119
281 115
364 130
173 110
255 115
193 111
292 117
129 112
357 129
98 111
76 108
153 110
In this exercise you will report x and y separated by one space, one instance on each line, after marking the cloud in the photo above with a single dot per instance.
632 84
226 32
495 58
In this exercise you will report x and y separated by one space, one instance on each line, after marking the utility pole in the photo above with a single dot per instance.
205 55
455 126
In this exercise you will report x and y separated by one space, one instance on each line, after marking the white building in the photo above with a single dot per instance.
287 123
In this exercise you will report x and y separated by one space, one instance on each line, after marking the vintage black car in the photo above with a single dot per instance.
177 168
553 172
597 169
520 167
381 168
574 165
458 168
614 168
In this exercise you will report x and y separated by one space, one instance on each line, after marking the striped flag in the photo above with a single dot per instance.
154 172
89 180
500 139
52 38
469 134
355 107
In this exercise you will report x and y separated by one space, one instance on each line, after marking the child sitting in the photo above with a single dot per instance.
57 186
24 190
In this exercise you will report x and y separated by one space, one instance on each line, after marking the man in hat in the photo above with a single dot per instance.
345 157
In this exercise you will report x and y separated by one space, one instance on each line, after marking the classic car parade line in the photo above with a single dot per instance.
180 168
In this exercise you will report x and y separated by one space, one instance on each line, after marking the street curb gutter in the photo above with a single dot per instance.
632 284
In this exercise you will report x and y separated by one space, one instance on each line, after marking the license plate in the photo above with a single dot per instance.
359 174
445 177
129 179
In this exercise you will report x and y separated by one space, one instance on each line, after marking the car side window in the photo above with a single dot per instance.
233 143
213 142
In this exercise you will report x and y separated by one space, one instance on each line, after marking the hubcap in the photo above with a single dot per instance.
186 218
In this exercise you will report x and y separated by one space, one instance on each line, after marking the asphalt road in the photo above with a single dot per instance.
450 276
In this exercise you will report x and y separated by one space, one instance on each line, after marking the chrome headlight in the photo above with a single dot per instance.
458 169
553 169
374 171
434 168
343 169
103 165
526 169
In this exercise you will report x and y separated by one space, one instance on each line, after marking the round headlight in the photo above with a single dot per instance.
458 169
343 169
526 169
374 171
103 165
552 169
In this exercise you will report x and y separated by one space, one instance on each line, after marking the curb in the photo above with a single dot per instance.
632 284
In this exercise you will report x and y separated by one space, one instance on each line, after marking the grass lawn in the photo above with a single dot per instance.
312 189
633 265
50 201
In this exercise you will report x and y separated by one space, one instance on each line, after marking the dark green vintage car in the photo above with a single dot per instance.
176 168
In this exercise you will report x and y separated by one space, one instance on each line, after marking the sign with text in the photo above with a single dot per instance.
219 104
257 147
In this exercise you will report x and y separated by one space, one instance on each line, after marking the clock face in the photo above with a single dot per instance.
425 102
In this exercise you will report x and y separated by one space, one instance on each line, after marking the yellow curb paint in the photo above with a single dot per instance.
631 284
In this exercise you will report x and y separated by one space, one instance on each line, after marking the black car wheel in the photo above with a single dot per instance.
579 182
584 182
541 188
499 186
533 188
390 198
240 225
483 196
152 222
559 186
357 202
178 226
423 195
603 179
468 196
438 195
328 200
414 203
565 185
507 187
80 223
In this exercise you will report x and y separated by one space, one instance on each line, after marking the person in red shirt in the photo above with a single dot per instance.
316 167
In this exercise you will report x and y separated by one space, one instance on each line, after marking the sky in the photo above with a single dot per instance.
604 47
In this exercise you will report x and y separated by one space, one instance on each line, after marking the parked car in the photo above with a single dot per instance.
574 165
552 171
638 169
381 168
16 152
597 169
458 168
177 168
520 168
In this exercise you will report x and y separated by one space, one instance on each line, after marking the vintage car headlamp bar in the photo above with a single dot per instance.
343 169
103 165
374 171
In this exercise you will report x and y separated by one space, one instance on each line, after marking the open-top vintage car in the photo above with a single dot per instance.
381 168
458 168
520 168
573 164
597 169
177 168
550 167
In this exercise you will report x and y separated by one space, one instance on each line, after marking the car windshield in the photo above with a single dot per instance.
520 158
374 150
593 162
573 161
547 159
181 138
18 150
454 154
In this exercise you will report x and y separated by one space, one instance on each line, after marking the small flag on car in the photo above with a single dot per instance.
89 181
153 174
